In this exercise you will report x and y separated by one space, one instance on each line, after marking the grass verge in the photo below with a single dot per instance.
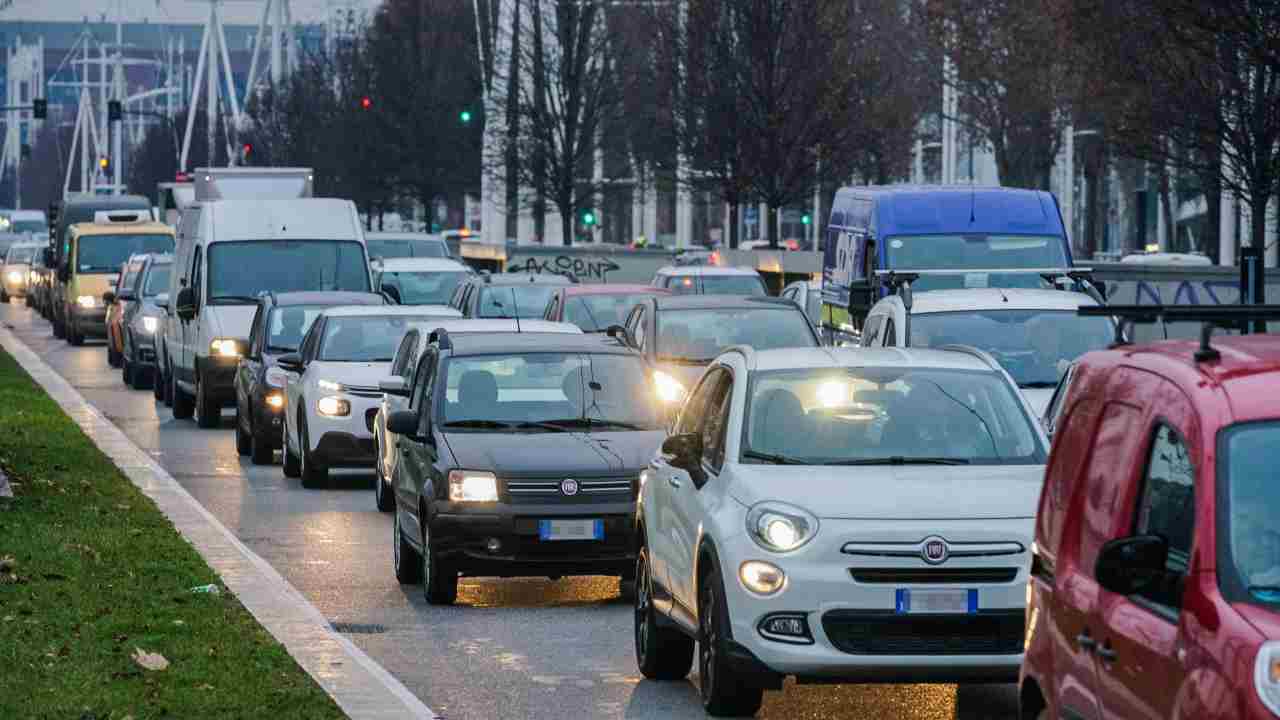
91 572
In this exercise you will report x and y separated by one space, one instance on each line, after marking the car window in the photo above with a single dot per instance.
700 335
732 285
509 301
105 253
404 354
287 325
691 415
255 332
368 338
890 334
713 430
244 268
871 333
1058 402
594 313
197 276
1249 513
552 306
1167 509
424 374
640 330
157 280
422 288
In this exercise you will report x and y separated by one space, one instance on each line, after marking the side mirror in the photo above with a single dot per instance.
185 305
618 332
1132 564
404 422
108 297
289 363
394 386
685 450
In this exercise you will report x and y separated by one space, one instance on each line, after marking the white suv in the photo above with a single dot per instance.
843 515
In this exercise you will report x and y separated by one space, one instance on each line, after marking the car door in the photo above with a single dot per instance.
1139 652
249 369
190 328
295 382
403 366
417 456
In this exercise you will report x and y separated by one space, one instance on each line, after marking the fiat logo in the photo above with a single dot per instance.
569 486
934 550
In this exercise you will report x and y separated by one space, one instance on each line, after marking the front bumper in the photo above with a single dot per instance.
15 289
268 421
462 534
857 632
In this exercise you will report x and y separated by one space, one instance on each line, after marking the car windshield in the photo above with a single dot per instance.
19 255
699 335
509 301
594 313
407 248
433 287
157 280
548 392
106 253
29 226
833 416
1252 511
716 285
978 252
367 338
239 271
286 326
1035 346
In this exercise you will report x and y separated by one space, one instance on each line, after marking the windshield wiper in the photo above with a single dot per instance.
282 349
232 299
774 458
484 424
900 460
586 422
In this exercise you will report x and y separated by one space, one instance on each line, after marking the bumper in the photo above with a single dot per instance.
345 441
343 449
268 421
15 289
463 534
858 634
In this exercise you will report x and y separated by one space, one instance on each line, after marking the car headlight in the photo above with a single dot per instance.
469 486
780 527
1266 675
762 578
277 377
86 301
669 389
275 400
225 347
333 406
15 276
150 324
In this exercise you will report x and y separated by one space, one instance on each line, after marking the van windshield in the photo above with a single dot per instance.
106 253
239 271
407 248
976 252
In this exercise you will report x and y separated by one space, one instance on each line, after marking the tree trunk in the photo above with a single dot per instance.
1166 207
733 225
771 217
1258 218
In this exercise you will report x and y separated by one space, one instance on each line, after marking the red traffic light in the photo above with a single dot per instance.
365 102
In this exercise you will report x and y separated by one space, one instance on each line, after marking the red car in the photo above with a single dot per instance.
595 307
1155 576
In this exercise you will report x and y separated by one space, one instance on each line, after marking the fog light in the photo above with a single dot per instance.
493 545
762 577
788 628
275 401
333 406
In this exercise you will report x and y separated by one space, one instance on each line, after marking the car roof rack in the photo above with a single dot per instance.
1210 317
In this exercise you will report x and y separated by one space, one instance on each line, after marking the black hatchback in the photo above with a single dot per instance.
278 326
521 455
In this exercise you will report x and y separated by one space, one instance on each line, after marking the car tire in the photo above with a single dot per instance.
208 412
59 330
723 694
260 451
439 579
114 358
183 404
289 461
313 473
126 372
4 298
664 654
158 384
27 300
244 443
404 559
73 333
383 496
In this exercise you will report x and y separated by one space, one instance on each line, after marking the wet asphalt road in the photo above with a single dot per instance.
529 648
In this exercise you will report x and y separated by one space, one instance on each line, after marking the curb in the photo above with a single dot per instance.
360 686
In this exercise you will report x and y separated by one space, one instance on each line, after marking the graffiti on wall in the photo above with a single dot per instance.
1186 292
584 269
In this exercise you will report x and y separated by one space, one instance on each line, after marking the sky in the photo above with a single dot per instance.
186 12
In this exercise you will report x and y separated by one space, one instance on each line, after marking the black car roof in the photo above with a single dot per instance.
328 297
479 343
698 302
523 278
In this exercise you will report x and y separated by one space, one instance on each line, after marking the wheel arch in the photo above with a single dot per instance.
1031 700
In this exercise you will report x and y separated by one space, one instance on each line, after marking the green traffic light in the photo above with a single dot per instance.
465 116
805 219
588 218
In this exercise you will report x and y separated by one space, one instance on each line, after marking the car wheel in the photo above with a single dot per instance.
439 580
289 462
260 451
114 358
662 653
313 473
28 301
208 412
59 330
407 565
384 497
158 384
183 404
73 333
4 298
126 373
243 442
723 695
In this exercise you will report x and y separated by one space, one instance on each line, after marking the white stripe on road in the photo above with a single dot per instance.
360 686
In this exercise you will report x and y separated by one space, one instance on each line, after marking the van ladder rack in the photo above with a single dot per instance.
1232 317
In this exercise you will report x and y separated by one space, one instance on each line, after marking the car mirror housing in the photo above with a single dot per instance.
404 422
1132 564
684 449
290 363
185 305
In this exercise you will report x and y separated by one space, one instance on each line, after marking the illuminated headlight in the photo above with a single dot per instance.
468 486
275 401
277 377
15 276
150 324
333 406
1266 675
86 301
225 347
780 527
669 389
330 385
762 578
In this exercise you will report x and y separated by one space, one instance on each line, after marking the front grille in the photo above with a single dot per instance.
364 391
862 632
929 576
552 487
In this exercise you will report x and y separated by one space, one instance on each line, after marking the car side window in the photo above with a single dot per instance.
1058 402
196 276
717 417
423 380
871 333
638 333
1167 508
404 354
890 334
692 414
255 332
550 313
310 342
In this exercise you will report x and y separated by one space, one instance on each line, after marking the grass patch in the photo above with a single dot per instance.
90 571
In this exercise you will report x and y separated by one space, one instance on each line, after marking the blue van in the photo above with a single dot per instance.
951 227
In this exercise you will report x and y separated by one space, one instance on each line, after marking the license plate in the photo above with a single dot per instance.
570 529
936 602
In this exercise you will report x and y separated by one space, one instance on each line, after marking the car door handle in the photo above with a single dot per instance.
1106 653
672 481
1086 642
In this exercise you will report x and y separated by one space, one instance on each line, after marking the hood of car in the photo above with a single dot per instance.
363 374
1263 620
1038 398
571 453
889 492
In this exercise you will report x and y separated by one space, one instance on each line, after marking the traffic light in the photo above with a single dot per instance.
806 219
465 117
115 111
245 152
40 108
104 163
365 103
588 218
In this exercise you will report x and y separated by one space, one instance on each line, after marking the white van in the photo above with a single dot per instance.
231 251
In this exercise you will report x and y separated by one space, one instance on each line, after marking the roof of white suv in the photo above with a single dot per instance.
392 311
935 301
705 270
807 358
422 264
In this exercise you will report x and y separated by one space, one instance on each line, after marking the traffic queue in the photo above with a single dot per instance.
873 498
